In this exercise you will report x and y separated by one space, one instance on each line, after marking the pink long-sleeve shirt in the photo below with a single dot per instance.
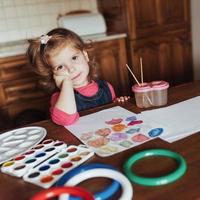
62 118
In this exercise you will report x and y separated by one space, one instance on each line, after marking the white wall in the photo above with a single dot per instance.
195 17
23 19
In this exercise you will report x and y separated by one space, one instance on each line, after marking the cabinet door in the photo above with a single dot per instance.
19 89
164 58
111 58
15 67
149 17
175 12
142 17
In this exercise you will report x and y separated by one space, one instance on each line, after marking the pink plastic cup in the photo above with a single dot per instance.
151 94
160 92
143 95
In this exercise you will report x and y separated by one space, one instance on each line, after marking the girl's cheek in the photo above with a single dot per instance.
61 72
57 73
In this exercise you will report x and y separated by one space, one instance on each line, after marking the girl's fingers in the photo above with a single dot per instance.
58 80
123 99
127 98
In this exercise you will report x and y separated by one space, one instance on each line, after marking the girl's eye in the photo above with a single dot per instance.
74 57
59 67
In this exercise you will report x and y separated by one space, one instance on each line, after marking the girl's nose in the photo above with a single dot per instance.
71 69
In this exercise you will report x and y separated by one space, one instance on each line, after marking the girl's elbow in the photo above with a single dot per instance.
64 121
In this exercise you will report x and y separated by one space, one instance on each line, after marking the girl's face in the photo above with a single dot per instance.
72 62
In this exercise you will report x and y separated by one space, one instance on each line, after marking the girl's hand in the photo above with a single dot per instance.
122 99
59 79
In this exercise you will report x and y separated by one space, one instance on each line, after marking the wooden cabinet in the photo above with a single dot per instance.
166 58
111 58
150 17
20 91
159 32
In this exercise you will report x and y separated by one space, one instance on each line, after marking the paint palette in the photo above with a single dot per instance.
15 142
47 173
21 164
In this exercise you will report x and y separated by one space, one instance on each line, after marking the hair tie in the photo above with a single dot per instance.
44 39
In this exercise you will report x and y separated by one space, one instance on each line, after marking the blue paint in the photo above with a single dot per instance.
55 161
155 132
50 149
133 130
44 168
30 161
132 118
40 155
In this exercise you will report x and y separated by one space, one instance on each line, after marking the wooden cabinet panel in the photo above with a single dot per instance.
165 57
174 11
145 14
111 57
15 67
148 17
21 90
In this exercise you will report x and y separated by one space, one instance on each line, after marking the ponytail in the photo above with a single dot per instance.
38 65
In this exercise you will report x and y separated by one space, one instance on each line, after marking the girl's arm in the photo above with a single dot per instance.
66 100
61 118
63 108
112 91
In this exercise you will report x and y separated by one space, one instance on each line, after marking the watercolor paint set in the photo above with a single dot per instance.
21 164
50 171
41 164
15 142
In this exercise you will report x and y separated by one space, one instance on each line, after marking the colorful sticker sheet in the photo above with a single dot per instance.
114 130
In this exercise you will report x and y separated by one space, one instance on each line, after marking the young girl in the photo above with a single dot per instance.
61 58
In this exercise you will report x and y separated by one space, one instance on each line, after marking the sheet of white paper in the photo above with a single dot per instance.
87 130
186 133
182 119
176 138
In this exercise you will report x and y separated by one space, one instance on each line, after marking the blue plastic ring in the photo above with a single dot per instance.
103 195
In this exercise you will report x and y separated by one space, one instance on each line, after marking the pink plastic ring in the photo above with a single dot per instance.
56 191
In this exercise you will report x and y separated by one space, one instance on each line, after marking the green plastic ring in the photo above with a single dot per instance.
171 177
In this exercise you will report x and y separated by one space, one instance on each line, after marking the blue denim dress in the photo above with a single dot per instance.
103 96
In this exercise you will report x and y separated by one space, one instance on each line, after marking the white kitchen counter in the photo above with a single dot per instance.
19 47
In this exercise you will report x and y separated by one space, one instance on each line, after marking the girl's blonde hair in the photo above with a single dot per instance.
39 53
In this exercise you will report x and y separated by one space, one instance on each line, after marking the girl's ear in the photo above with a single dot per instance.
86 56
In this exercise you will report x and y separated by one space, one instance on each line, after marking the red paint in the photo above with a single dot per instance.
67 165
19 158
46 179
135 122
57 172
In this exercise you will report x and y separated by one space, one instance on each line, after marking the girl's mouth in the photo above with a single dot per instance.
76 76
